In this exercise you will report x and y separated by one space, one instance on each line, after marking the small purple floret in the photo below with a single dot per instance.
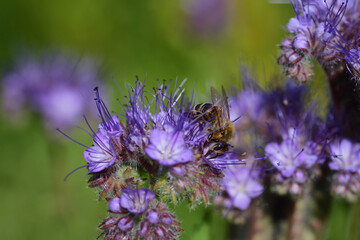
153 217
241 186
345 156
136 201
288 156
102 155
126 224
178 170
114 205
167 220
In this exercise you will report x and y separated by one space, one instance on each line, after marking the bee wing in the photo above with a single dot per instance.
225 104
215 96
216 101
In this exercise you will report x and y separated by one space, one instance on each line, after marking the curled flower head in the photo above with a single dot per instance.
322 30
159 223
241 186
154 222
168 148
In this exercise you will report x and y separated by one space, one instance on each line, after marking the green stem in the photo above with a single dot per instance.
355 223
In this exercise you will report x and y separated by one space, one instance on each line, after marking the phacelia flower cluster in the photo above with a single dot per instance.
53 86
157 153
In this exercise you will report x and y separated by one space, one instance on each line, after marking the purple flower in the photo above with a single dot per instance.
136 201
102 155
288 156
106 140
345 156
241 186
53 86
168 148
345 162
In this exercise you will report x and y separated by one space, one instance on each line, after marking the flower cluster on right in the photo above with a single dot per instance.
298 153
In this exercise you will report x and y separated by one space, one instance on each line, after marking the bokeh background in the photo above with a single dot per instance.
158 39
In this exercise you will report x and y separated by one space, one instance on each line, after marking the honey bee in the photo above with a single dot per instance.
217 115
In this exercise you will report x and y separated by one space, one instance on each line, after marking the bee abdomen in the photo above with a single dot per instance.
203 107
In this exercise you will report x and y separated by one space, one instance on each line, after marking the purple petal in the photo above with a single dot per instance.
301 42
241 186
168 148
241 201
167 220
152 216
299 176
346 156
136 201
100 156
114 205
126 224
254 189
287 171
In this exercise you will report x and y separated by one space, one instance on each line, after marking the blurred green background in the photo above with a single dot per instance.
153 38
